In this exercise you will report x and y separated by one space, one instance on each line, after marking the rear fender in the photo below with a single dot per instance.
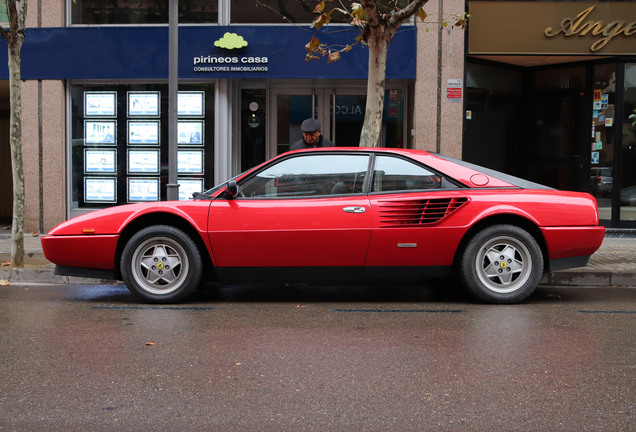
515 219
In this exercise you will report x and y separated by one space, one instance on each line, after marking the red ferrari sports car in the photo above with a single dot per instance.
339 215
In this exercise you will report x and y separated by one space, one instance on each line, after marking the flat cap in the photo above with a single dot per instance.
310 126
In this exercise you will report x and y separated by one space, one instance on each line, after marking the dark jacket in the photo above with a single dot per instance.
302 144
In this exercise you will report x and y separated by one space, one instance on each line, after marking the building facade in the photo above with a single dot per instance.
550 87
95 96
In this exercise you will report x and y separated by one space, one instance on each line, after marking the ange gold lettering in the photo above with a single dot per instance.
578 26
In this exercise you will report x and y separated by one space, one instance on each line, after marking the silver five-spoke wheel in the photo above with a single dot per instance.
501 264
161 264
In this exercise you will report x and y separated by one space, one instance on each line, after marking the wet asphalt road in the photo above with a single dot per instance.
316 359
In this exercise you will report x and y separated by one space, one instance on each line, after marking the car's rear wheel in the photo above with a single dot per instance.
161 264
501 264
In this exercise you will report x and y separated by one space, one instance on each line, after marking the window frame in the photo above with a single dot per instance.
413 163
445 183
363 183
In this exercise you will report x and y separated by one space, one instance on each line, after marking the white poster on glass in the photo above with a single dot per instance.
99 132
190 132
189 186
143 104
143 161
143 132
100 104
100 190
100 161
190 103
190 161
143 189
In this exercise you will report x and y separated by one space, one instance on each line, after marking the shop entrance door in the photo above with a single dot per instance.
340 112
562 144
562 137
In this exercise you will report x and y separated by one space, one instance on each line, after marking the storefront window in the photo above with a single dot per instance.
119 142
494 117
628 185
277 12
272 11
602 151
4 13
142 11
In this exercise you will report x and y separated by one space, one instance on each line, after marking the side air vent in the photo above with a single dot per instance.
417 212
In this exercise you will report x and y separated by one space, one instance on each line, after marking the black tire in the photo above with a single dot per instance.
161 264
501 264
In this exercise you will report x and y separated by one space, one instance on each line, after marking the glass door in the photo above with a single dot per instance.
628 151
561 144
346 112
347 109
253 128
340 112
289 107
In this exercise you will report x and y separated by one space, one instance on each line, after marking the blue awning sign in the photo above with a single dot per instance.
141 52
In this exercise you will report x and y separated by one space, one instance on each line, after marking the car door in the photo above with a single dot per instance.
303 218
412 206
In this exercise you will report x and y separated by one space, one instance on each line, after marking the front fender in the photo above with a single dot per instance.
114 220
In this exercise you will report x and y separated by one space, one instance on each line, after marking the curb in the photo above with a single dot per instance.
564 278
45 275
589 278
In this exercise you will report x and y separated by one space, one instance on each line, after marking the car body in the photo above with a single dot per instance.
339 215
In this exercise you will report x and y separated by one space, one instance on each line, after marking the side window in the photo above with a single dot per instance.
309 176
395 174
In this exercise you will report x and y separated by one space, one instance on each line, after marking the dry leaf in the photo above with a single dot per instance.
4 282
151 343
35 233
5 263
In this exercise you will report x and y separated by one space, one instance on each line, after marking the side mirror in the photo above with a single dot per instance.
231 189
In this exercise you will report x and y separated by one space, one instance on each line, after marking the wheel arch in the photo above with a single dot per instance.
504 219
168 219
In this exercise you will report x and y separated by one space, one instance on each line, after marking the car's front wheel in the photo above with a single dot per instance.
161 264
501 264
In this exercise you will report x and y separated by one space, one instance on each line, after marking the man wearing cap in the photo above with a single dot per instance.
312 136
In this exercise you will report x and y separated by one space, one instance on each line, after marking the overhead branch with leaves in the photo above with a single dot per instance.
377 23
371 17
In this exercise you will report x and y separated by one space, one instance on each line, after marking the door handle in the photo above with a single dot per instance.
355 209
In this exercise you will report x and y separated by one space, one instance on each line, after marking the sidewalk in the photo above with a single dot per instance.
614 264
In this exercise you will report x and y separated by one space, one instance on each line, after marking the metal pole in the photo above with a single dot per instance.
173 86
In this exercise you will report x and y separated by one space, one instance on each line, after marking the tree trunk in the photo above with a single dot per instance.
378 33
15 138
372 127
14 36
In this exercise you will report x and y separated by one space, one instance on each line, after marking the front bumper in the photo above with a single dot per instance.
91 251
